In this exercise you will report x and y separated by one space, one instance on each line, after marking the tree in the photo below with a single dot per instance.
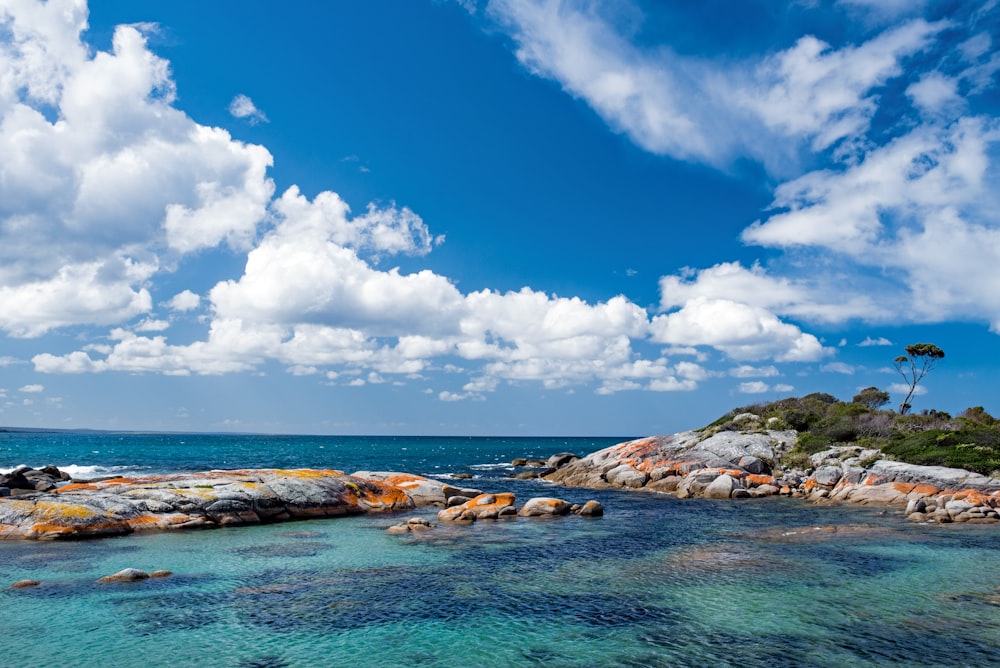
872 397
919 359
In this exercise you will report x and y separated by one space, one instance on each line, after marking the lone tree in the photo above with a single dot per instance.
919 359
872 397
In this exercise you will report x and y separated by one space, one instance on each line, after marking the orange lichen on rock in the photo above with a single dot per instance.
484 506
973 497
903 487
406 480
924 489
758 479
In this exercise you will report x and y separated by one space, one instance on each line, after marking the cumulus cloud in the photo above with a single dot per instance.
32 389
243 107
100 202
184 301
741 331
754 387
92 195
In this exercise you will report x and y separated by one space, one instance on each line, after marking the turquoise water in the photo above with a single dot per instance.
655 582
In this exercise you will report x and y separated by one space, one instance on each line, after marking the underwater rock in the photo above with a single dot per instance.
25 584
126 575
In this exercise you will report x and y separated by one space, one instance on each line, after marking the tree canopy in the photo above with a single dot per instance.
918 361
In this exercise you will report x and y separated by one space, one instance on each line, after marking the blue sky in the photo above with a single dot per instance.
508 217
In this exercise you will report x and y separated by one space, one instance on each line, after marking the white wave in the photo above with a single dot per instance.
492 467
77 471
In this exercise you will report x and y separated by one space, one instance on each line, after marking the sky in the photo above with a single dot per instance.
513 217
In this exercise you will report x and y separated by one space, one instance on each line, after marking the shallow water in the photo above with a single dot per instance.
655 582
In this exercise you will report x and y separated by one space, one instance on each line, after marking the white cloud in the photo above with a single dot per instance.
152 325
782 387
754 387
935 93
880 341
838 367
694 109
91 199
184 301
918 210
243 107
748 371
901 388
32 389
813 91
741 331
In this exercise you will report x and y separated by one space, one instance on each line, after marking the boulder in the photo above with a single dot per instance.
160 573
626 476
827 476
25 584
126 575
561 459
484 506
544 506
721 488
591 509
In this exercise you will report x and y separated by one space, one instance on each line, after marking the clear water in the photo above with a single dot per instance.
655 582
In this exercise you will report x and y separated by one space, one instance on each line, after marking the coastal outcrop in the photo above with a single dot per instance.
119 506
747 464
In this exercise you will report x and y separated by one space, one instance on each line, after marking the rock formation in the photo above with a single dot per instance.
745 464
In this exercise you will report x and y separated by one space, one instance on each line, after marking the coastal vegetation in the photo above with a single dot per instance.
970 440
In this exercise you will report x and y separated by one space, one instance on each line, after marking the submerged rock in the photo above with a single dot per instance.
126 575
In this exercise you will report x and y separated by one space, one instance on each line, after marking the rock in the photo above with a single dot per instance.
462 476
24 584
544 506
218 498
740 493
561 459
752 464
827 476
161 573
519 461
591 509
126 575
484 506
626 476
527 475
4 491
398 529
720 488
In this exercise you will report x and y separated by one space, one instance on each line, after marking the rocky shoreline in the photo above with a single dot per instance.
746 464
44 504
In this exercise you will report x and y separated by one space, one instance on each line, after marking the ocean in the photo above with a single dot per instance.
656 581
